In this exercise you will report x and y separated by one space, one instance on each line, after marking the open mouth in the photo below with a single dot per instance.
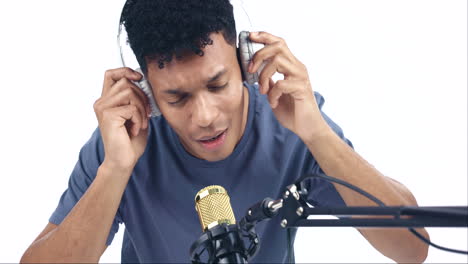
213 138
214 142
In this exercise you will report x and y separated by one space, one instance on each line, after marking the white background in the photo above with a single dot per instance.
394 75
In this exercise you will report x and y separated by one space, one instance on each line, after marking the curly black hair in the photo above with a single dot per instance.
159 29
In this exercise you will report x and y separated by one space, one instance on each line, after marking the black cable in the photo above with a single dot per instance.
380 203
290 246
434 245
349 185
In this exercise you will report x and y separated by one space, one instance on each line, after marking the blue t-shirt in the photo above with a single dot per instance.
158 207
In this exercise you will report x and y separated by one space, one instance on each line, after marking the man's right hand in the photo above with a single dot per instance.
122 112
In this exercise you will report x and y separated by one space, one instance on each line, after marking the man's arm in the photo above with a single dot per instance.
123 113
81 237
293 103
339 160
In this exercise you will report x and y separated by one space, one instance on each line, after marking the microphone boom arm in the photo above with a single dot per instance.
296 210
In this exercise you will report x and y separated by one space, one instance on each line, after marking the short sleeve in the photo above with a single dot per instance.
90 158
322 192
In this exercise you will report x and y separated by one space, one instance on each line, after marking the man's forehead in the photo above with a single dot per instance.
171 81
205 80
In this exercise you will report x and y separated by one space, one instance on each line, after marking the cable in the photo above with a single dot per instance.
349 185
434 245
291 257
380 203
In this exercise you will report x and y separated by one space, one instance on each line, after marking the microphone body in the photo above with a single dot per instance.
221 236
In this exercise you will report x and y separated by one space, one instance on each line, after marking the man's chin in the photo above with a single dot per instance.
215 156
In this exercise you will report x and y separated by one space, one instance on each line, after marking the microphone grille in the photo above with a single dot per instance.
213 206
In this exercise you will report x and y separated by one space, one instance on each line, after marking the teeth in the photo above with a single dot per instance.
213 138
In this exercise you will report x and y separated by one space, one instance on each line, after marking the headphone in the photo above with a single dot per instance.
245 52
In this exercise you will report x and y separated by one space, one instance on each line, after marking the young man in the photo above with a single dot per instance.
214 129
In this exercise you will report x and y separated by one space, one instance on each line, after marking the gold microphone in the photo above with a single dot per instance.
213 207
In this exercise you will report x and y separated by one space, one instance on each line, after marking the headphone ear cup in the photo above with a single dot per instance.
241 66
144 85
246 52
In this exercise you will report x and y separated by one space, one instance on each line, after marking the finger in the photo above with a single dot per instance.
131 113
271 83
275 65
275 92
134 99
263 37
114 75
283 87
269 51
267 72
123 84
126 97
294 88
123 114
262 55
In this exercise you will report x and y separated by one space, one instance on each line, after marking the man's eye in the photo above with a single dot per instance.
180 100
216 88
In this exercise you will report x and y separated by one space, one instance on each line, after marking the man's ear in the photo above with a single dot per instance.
239 63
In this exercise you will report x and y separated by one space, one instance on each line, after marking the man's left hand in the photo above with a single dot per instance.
292 99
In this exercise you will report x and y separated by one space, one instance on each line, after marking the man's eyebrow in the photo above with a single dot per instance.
174 91
215 77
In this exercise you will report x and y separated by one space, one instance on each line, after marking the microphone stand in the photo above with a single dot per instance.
296 210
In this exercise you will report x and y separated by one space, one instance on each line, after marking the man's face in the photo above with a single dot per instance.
203 99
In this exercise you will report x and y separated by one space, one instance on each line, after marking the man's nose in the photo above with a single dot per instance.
204 111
